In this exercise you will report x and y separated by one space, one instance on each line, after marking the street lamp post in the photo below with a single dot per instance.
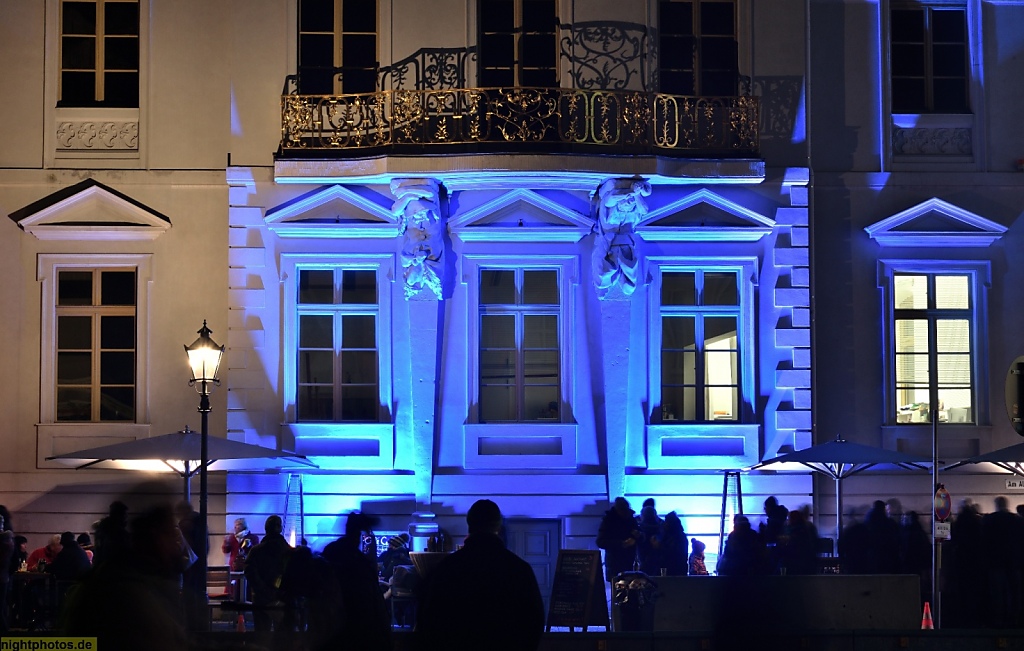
204 357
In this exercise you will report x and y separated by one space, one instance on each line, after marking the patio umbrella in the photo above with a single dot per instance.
839 459
1010 459
180 452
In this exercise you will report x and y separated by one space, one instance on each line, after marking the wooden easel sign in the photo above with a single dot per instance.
577 592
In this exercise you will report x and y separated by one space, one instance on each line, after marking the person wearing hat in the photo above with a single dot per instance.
71 561
482 596
396 554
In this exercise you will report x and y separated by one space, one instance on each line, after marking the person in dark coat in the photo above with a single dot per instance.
264 570
193 578
744 553
798 551
1002 533
482 596
112 538
6 554
916 552
883 541
71 561
965 573
651 548
675 545
365 621
618 535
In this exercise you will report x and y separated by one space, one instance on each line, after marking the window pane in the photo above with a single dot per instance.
911 336
117 332
957 403
538 15
720 289
121 18
675 17
907 60
679 288
316 367
497 403
121 54
497 15
720 331
315 404
316 286
949 26
952 292
910 292
497 50
540 287
720 367
953 336
117 288
117 403
716 18
949 60
77 89
689 409
78 18
540 367
538 50
954 370
316 50
358 286
908 25
74 368
359 367
316 331
497 367
358 51
74 288
672 366
497 287
672 402
722 403
74 332
359 81
951 96
908 96
359 403
359 331
498 331
78 53
74 404
678 332
359 15
540 331
121 89
316 15
117 367
539 401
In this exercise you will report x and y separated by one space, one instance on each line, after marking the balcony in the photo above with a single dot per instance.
517 120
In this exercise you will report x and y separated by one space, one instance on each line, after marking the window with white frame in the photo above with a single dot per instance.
929 58
932 343
99 53
95 352
520 374
700 346
338 43
697 47
337 365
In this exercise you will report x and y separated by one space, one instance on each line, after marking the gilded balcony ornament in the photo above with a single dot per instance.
417 207
620 207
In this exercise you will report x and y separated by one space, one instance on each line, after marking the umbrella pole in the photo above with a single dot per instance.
839 511
188 482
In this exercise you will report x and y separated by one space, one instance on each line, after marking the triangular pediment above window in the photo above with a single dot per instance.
521 216
332 212
704 216
935 223
90 211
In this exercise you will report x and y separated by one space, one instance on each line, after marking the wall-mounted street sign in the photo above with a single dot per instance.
1015 394
1015 484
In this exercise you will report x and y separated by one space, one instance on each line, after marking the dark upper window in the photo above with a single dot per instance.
338 42
697 51
99 53
929 59
518 44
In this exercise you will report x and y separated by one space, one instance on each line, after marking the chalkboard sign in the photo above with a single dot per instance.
577 592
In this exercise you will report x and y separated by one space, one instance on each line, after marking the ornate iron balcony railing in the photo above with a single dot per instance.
518 119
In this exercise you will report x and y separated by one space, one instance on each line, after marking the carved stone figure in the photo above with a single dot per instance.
417 206
620 207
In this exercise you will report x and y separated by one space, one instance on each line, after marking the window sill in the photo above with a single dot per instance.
521 445
345 446
956 441
62 438
699 446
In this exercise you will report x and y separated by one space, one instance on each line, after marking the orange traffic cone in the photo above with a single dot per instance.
240 624
926 618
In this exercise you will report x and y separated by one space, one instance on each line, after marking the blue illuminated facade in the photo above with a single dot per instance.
454 272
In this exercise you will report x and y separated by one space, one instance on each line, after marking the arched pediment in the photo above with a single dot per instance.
91 211
935 223
333 212
521 215
704 216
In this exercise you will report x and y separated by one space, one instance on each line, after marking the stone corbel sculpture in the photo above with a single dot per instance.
418 209
620 207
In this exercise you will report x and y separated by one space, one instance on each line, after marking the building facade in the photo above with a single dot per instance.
543 251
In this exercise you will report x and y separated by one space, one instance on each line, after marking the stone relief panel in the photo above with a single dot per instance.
92 135
943 141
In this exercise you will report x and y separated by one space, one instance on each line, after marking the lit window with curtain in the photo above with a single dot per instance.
518 43
929 58
697 48
519 355
99 54
338 43
700 346
933 354
338 375
95 345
